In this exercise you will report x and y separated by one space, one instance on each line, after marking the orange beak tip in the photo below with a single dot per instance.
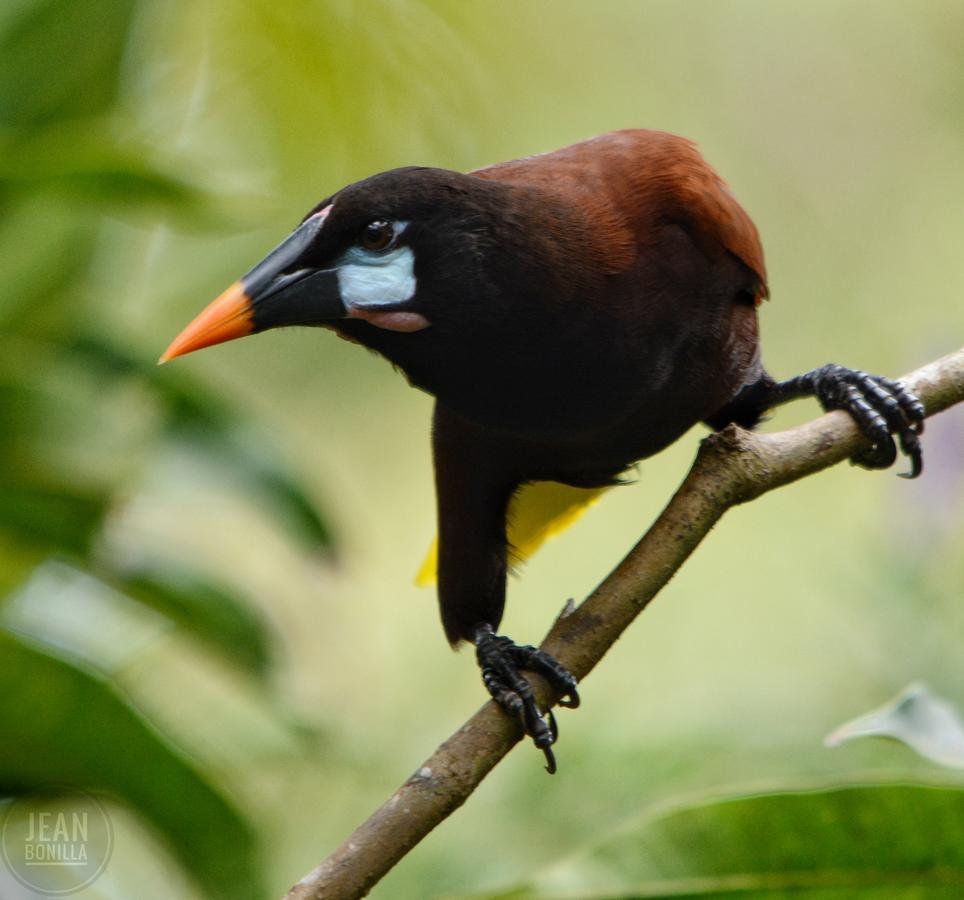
230 316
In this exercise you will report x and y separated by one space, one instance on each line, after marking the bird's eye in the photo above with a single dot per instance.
377 235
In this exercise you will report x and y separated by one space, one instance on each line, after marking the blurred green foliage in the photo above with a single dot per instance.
777 844
63 725
177 630
82 423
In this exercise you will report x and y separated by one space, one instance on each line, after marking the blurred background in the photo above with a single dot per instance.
208 611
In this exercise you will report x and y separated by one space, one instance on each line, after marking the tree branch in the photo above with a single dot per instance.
733 466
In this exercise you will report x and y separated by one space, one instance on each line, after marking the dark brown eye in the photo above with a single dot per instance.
377 235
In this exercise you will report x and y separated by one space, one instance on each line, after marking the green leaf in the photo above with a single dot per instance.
51 516
43 254
61 723
915 717
205 609
84 161
888 840
96 618
208 425
61 59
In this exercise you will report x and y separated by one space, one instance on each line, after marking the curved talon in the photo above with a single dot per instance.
910 445
883 409
543 734
501 661
573 701
913 451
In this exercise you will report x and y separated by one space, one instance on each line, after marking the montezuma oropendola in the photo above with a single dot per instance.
572 313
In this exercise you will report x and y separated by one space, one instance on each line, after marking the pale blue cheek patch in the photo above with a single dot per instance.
369 279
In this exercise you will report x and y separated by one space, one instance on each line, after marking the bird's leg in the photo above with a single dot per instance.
501 662
881 408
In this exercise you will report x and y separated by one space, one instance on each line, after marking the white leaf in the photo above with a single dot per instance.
916 717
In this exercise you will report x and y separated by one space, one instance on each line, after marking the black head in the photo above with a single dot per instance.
386 254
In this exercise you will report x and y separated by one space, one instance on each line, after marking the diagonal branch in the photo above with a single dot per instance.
733 466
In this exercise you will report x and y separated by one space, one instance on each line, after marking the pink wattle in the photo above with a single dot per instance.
390 320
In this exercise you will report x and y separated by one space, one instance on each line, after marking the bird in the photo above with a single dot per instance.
572 313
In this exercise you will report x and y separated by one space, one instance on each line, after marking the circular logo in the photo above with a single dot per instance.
56 840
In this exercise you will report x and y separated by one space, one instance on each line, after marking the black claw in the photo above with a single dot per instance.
501 661
535 660
883 409
916 466
573 700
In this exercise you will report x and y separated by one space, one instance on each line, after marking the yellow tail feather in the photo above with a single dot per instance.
537 512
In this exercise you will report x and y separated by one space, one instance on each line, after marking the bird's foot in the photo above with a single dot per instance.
881 408
501 662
